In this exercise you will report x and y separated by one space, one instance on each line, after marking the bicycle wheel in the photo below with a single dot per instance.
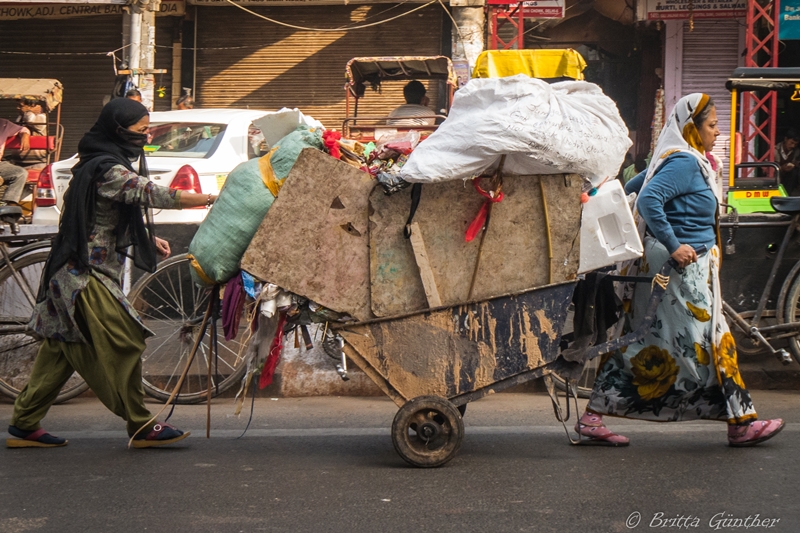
19 346
791 313
173 307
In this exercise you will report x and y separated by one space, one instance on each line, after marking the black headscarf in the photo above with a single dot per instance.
107 144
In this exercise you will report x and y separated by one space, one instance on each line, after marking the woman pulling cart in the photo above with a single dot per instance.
88 325
686 367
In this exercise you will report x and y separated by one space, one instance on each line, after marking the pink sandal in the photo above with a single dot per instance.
591 426
740 436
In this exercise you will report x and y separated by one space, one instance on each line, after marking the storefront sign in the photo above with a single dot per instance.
789 21
17 11
537 9
698 9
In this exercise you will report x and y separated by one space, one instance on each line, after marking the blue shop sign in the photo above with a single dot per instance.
789 21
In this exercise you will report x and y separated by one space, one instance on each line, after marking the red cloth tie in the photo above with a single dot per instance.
480 219
274 355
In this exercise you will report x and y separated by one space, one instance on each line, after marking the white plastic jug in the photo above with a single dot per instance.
608 232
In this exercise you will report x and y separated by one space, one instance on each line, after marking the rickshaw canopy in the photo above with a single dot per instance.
363 71
766 78
48 91
543 64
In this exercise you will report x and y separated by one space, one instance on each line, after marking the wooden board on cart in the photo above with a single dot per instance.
515 250
314 240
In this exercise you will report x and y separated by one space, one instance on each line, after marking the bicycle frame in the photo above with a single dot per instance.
765 334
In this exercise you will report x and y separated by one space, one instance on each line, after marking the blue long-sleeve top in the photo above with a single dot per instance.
677 204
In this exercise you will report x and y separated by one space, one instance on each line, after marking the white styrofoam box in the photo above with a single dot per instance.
608 232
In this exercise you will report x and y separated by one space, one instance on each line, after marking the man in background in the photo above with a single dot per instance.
185 102
787 155
134 94
415 106
11 175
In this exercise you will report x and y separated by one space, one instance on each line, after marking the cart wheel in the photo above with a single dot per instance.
427 431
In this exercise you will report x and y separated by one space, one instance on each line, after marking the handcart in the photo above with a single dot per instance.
433 335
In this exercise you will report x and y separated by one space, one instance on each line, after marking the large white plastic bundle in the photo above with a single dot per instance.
567 127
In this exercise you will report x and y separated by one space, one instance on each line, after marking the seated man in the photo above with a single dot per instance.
415 106
32 117
787 155
11 175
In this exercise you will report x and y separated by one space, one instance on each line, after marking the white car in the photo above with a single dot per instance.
192 150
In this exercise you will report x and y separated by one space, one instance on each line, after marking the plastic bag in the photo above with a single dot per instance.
566 127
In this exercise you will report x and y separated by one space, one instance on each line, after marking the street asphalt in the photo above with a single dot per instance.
326 464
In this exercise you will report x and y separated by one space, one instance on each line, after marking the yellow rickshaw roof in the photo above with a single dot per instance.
544 63
43 90
374 70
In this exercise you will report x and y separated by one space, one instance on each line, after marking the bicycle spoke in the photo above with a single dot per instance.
145 358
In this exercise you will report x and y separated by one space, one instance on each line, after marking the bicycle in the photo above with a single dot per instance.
172 306
20 272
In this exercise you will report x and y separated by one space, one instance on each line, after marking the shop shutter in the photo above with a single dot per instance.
710 54
85 71
247 62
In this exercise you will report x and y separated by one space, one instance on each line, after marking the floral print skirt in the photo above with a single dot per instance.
686 367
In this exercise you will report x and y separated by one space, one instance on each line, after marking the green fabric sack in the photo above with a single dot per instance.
225 234
289 149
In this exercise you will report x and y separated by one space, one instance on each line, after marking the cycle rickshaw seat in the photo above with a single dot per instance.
789 205
10 212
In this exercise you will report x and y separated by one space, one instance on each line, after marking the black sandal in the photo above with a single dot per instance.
38 438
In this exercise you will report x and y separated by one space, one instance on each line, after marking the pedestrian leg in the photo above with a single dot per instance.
15 178
51 370
111 364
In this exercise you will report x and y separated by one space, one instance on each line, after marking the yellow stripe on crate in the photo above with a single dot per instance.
749 195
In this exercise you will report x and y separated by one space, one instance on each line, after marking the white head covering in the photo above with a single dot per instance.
680 135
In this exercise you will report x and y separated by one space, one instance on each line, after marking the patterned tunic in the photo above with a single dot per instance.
54 317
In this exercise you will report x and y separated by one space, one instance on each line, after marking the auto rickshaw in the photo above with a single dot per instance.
374 71
747 193
46 137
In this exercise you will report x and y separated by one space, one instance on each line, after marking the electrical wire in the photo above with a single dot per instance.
112 52
342 28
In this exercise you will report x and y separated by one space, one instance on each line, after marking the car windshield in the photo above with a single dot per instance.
183 139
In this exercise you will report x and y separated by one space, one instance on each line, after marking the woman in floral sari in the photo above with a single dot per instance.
686 367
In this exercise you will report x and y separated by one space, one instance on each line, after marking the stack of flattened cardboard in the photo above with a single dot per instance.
334 238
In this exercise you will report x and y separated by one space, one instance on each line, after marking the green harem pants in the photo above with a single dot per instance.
111 363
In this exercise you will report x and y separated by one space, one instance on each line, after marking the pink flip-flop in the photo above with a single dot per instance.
597 432
754 433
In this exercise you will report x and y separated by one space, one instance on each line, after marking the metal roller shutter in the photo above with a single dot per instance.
85 71
245 61
710 54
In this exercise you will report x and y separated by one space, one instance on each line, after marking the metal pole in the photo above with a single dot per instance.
136 39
